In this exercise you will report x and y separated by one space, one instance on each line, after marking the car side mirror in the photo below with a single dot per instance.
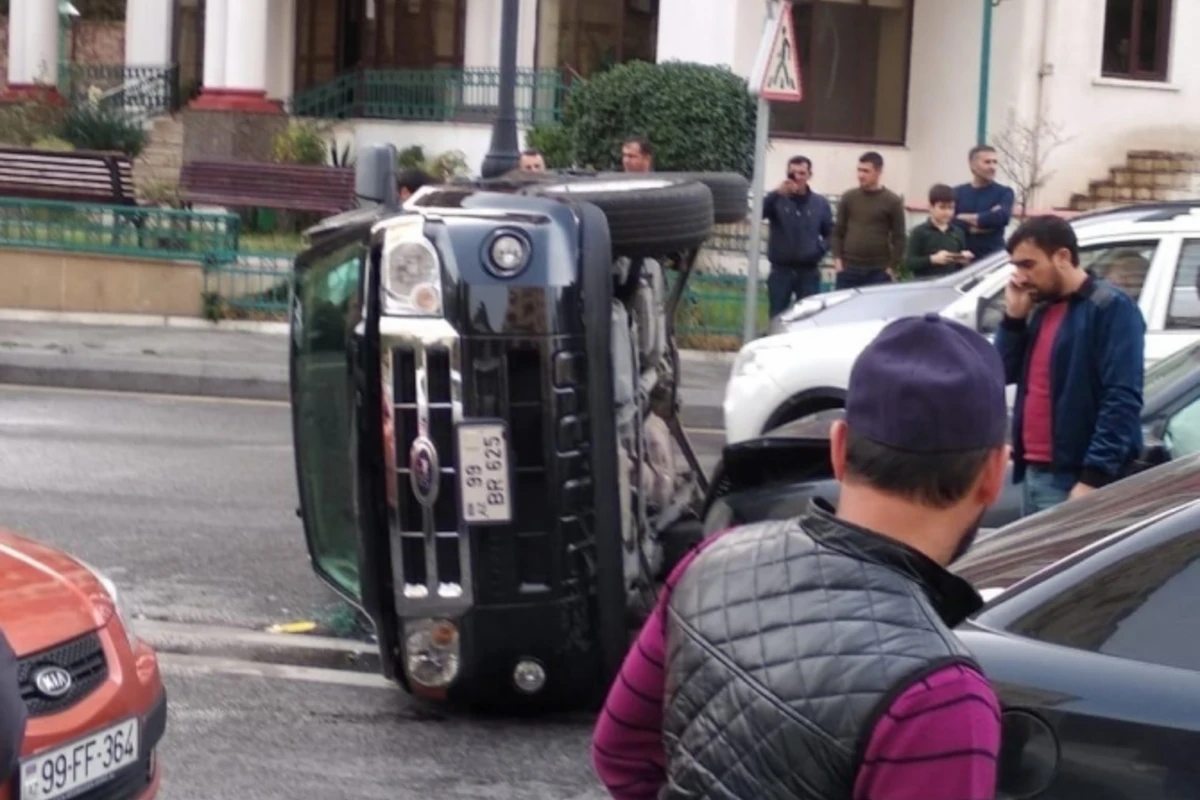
1028 756
375 176
989 313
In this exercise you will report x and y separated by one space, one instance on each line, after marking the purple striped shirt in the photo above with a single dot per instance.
939 740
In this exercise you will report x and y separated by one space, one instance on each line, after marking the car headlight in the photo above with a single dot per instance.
815 304
119 607
753 360
507 254
411 274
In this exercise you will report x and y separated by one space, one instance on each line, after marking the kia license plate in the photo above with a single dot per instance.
81 765
484 474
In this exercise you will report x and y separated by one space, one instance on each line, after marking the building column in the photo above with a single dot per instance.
148 33
32 50
236 45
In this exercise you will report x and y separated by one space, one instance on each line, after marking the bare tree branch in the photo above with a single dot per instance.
1024 151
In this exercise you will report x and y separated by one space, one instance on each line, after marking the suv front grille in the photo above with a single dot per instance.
83 658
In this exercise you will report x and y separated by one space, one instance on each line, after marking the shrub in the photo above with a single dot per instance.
301 142
555 143
450 164
97 127
698 117
22 124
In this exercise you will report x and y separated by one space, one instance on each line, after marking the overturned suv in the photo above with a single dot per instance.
486 422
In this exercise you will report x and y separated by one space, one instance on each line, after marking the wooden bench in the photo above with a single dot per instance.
282 187
81 176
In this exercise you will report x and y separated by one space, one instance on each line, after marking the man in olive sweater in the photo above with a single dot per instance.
870 233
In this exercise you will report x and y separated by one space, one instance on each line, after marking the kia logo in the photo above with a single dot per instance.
53 682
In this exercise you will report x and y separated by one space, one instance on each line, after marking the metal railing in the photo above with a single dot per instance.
141 92
431 95
205 237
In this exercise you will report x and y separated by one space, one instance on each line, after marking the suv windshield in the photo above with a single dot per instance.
969 278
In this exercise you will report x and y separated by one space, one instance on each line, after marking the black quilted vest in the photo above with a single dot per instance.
785 643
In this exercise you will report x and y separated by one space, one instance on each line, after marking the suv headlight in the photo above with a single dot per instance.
119 607
411 272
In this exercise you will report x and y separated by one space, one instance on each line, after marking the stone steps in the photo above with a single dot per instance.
1147 176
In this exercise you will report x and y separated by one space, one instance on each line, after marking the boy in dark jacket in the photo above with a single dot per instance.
937 246
800 224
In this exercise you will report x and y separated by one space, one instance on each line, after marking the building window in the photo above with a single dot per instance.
854 57
584 37
1136 37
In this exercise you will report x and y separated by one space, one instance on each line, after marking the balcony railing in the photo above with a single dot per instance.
139 91
431 95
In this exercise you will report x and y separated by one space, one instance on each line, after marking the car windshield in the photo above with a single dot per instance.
968 279
1016 551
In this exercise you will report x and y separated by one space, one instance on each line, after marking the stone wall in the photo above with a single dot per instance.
91 42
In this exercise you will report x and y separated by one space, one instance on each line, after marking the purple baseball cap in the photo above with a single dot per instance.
928 385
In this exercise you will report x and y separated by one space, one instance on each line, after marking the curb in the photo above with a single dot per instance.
296 650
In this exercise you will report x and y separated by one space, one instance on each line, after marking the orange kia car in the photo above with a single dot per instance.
96 702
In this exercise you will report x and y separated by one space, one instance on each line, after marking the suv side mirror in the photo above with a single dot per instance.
375 176
989 313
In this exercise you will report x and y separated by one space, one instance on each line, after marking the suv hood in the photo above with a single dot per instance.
46 597
870 302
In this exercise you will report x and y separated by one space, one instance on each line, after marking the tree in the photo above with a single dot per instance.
1024 150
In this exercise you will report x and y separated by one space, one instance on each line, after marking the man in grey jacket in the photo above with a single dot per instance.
12 712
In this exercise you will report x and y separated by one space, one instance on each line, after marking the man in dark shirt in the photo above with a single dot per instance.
983 208
800 224
869 236
1074 345
937 246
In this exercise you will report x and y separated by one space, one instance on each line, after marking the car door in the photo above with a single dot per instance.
1174 321
1105 652
325 309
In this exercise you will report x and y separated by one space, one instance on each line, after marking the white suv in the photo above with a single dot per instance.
1153 252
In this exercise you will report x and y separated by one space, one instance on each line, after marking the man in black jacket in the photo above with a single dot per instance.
12 713
800 224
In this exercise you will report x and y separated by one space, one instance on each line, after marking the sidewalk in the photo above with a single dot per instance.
203 360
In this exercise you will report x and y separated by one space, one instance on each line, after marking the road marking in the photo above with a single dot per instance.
199 666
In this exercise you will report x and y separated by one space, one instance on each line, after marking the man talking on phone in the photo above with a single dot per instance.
1074 345
800 224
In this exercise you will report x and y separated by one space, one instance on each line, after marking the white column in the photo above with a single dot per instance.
148 33
215 25
481 40
41 42
527 40
701 31
17 13
246 45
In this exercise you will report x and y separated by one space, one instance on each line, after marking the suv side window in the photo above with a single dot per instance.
1184 309
1142 608
1124 264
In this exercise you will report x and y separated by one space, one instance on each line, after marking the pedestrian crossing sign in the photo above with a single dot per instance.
781 74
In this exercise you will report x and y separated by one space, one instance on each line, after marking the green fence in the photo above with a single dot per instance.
118 230
430 95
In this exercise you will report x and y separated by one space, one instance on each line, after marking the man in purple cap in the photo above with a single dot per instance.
813 657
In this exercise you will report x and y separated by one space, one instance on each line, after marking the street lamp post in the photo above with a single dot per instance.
504 153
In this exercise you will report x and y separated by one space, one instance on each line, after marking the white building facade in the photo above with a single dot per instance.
901 77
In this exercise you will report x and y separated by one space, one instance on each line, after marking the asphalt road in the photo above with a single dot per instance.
189 504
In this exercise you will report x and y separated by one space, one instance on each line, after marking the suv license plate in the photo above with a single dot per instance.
484 473
85 762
